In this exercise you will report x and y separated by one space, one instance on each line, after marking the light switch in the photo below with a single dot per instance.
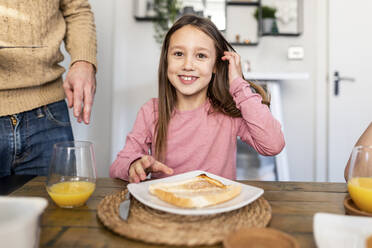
295 53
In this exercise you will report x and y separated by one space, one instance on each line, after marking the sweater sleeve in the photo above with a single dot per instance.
137 144
80 38
257 127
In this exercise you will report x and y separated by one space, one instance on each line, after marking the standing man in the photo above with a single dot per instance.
33 112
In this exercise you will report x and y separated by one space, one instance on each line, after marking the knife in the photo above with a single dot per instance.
124 207
21 47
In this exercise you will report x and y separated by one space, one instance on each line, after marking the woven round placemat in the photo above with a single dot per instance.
154 226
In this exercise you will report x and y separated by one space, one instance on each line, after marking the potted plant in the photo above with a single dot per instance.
167 12
268 19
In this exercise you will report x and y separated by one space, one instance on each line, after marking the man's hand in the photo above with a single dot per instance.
138 169
80 87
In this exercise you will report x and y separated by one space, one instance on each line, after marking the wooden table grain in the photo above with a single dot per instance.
293 207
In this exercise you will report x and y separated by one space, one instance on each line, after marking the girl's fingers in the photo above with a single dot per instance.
237 59
226 55
139 171
133 178
237 62
232 57
147 161
157 167
228 58
235 69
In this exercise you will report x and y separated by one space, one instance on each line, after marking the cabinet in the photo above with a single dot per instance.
243 28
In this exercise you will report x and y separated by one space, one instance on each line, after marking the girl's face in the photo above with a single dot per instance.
191 62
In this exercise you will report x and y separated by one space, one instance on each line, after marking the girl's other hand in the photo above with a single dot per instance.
235 68
149 164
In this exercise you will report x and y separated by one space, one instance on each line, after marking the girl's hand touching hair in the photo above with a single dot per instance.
235 68
138 169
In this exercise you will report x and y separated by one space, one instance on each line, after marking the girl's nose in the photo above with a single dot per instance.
188 64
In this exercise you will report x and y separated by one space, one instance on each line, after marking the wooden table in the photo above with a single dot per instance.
293 206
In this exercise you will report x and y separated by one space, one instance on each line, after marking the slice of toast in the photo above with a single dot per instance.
198 192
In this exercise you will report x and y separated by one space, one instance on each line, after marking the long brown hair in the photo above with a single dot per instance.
218 88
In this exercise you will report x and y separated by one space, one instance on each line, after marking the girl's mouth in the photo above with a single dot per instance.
187 79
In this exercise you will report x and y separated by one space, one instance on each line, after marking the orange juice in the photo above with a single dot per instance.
71 194
360 189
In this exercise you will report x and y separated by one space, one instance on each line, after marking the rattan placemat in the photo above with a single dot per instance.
154 226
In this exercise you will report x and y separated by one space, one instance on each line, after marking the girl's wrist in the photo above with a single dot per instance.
236 79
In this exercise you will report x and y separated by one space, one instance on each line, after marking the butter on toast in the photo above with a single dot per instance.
198 192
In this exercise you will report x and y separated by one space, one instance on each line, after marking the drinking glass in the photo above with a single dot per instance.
72 173
360 177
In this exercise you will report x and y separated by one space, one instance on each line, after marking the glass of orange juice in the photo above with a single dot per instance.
72 173
360 177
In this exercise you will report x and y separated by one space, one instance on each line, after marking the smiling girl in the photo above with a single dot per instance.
203 105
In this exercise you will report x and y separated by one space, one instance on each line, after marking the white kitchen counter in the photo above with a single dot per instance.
276 76
272 81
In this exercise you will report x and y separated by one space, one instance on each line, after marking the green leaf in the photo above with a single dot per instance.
167 12
267 12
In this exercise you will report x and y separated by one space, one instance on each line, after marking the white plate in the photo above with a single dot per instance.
341 231
141 192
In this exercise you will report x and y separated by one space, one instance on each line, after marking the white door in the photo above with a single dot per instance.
350 55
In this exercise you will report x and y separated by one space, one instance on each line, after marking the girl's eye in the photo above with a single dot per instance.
178 53
201 56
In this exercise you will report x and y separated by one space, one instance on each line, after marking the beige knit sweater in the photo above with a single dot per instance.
31 77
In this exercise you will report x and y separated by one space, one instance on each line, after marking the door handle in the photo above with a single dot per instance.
337 79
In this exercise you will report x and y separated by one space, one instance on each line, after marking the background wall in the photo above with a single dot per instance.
99 130
127 77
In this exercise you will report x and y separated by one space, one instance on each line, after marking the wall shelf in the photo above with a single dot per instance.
281 34
144 19
243 44
239 3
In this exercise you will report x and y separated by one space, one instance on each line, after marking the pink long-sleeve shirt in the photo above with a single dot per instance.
199 140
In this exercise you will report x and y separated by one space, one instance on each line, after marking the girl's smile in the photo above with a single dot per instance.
187 79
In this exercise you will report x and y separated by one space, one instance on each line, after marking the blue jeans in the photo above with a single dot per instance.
27 138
